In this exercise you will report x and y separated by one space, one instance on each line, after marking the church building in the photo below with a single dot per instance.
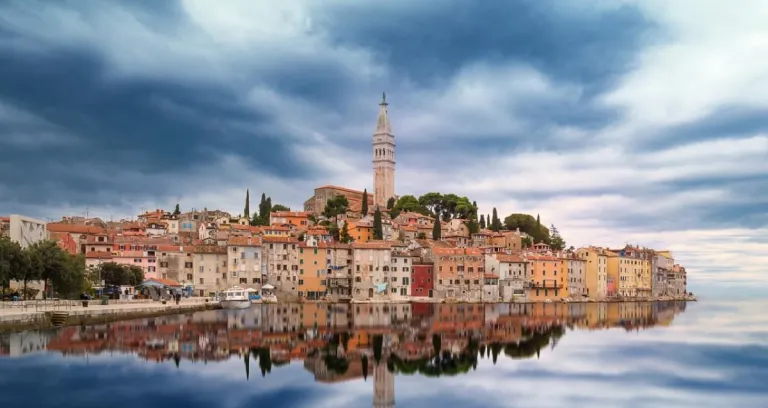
383 172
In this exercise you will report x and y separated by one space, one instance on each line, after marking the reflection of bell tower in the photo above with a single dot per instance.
383 387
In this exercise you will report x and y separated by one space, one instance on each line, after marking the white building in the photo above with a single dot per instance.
400 276
26 230
577 278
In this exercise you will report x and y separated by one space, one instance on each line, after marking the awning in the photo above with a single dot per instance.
268 287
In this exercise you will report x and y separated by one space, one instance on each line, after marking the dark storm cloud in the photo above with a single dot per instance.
154 128
727 122
430 41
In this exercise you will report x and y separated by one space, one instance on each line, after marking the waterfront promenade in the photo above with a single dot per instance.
34 312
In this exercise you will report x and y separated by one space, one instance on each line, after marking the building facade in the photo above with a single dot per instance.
26 230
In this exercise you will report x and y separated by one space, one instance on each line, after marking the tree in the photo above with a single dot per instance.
526 242
338 205
482 221
495 221
114 274
556 242
432 202
11 261
527 224
364 363
390 203
265 218
365 203
344 236
280 207
408 203
63 273
378 232
264 209
177 210
473 227
436 233
247 210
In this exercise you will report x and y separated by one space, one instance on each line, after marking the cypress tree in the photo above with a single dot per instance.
247 210
268 206
495 222
436 232
538 229
177 211
390 203
365 202
378 232
482 221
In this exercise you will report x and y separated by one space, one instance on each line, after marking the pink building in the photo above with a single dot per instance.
610 287
147 262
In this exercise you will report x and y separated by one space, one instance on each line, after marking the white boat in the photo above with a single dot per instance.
235 298
268 294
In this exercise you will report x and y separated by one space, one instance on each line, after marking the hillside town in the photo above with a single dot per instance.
347 245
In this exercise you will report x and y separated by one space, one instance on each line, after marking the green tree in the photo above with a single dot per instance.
12 260
495 221
556 241
437 343
390 203
268 206
280 207
177 210
365 202
114 274
408 203
378 232
64 273
473 227
247 209
338 205
482 221
432 202
436 232
528 224
526 242
364 364
344 236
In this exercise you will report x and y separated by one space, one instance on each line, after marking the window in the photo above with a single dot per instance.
202 281
187 264
301 281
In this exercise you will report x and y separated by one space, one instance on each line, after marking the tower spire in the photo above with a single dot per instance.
382 125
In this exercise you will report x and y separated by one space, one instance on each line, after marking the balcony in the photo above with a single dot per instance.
550 284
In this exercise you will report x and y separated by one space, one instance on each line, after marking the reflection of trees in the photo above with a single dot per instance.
534 342
265 359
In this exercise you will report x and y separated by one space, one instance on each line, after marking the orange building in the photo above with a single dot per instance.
459 273
316 203
313 270
360 231
298 219
548 277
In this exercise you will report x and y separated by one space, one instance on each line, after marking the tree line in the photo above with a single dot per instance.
64 274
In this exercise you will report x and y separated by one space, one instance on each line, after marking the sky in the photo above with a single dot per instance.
618 121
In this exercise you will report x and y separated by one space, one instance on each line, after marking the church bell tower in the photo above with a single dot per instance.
383 158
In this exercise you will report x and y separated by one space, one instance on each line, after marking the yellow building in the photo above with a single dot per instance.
596 271
626 272
313 270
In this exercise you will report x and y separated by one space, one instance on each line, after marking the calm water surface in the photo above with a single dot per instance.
706 354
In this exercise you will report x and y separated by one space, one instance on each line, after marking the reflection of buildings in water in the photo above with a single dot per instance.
303 331
19 344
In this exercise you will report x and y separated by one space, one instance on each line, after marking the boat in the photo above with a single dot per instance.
235 298
253 295
268 294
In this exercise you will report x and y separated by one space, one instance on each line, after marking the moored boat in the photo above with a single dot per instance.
235 298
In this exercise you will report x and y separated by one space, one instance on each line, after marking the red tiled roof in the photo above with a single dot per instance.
166 282
302 214
283 240
73 228
244 241
510 258
98 255
372 245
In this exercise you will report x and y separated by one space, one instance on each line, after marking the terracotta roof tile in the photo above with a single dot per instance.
372 245
303 214
98 255
457 251
510 258
284 240
73 228
244 241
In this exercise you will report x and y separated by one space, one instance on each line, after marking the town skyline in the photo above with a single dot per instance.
615 135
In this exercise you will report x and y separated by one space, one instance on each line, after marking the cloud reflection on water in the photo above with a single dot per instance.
712 355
